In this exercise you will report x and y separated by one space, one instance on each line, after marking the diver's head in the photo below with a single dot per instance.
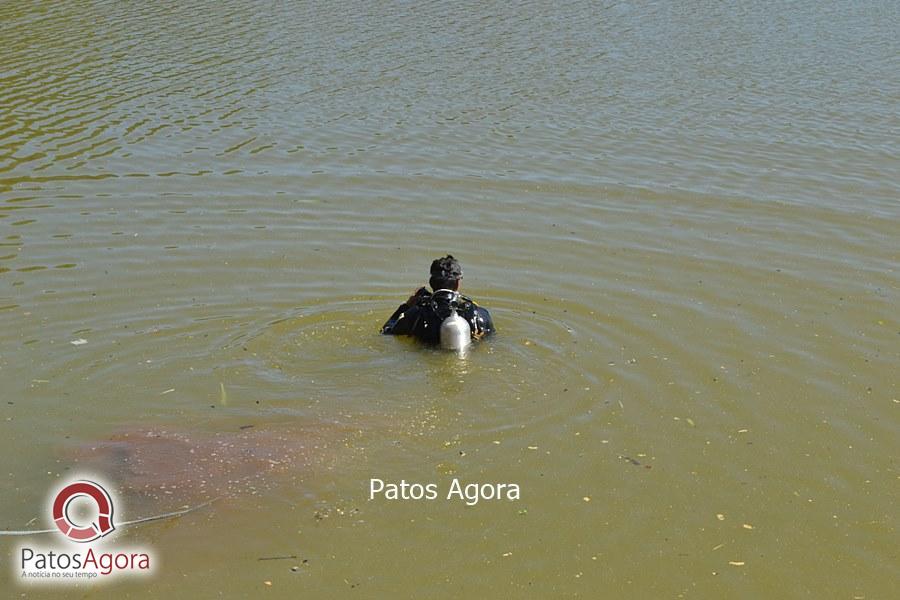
445 274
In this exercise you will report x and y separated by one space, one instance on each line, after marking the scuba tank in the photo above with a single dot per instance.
455 333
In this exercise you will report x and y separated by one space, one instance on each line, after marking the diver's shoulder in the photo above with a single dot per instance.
471 301
482 314
467 301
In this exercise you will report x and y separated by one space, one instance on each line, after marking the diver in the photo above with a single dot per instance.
442 316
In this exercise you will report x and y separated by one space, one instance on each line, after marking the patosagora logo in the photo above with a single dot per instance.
82 515
83 533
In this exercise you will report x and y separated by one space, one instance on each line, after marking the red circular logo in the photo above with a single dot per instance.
91 531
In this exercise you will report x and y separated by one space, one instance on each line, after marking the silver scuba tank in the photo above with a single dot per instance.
456 333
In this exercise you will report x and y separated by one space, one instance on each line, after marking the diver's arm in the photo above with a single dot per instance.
390 326
482 324
479 318
400 322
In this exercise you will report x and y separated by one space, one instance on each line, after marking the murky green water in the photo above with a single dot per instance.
683 216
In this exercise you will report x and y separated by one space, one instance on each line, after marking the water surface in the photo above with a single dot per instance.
683 217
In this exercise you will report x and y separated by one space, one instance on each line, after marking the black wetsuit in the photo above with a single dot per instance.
423 318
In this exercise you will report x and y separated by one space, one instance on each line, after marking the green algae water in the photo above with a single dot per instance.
683 217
